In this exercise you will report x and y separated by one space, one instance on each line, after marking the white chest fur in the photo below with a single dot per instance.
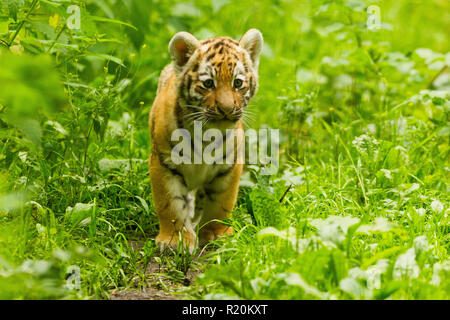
199 175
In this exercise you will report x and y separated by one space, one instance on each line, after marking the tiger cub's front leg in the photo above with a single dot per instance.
219 199
174 204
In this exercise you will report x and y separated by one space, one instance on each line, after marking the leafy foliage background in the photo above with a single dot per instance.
358 210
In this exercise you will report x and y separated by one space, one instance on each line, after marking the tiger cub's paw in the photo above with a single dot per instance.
176 241
210 233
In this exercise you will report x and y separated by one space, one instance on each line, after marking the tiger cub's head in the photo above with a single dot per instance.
217 76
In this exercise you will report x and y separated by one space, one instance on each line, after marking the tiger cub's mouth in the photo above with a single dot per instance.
220 115
215 115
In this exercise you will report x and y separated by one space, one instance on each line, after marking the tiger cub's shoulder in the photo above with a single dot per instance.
165 75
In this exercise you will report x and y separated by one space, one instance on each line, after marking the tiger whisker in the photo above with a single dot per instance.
248 120
245 122
193 114
249 116
194 107
198 118
250 111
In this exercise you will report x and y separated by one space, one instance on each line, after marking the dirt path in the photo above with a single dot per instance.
146 294
161 285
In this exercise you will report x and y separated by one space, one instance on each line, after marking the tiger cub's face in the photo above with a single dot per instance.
217 76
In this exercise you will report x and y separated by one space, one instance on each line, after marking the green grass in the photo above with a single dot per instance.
358 210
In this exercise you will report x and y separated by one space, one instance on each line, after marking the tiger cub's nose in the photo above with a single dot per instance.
224 111
225 102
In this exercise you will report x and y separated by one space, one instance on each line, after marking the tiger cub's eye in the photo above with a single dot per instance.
209 84
237 83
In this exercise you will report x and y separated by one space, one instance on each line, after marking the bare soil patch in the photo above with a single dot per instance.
164 283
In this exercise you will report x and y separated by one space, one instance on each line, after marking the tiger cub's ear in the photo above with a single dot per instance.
181 47
252 41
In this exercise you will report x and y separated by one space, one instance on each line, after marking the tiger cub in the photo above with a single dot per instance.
210 81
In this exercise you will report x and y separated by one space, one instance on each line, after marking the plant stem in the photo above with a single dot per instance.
33 4
57 37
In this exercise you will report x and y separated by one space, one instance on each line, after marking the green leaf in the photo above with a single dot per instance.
353 288
103 19
106 57
186 9
29 86
294 279
31 129
78 214
333 228
13 7
12 201
381 224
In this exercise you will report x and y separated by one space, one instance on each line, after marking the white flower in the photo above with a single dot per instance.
363 143
387 173
23 156
414 187
439 268
374 273
406 266
437 206
421 244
